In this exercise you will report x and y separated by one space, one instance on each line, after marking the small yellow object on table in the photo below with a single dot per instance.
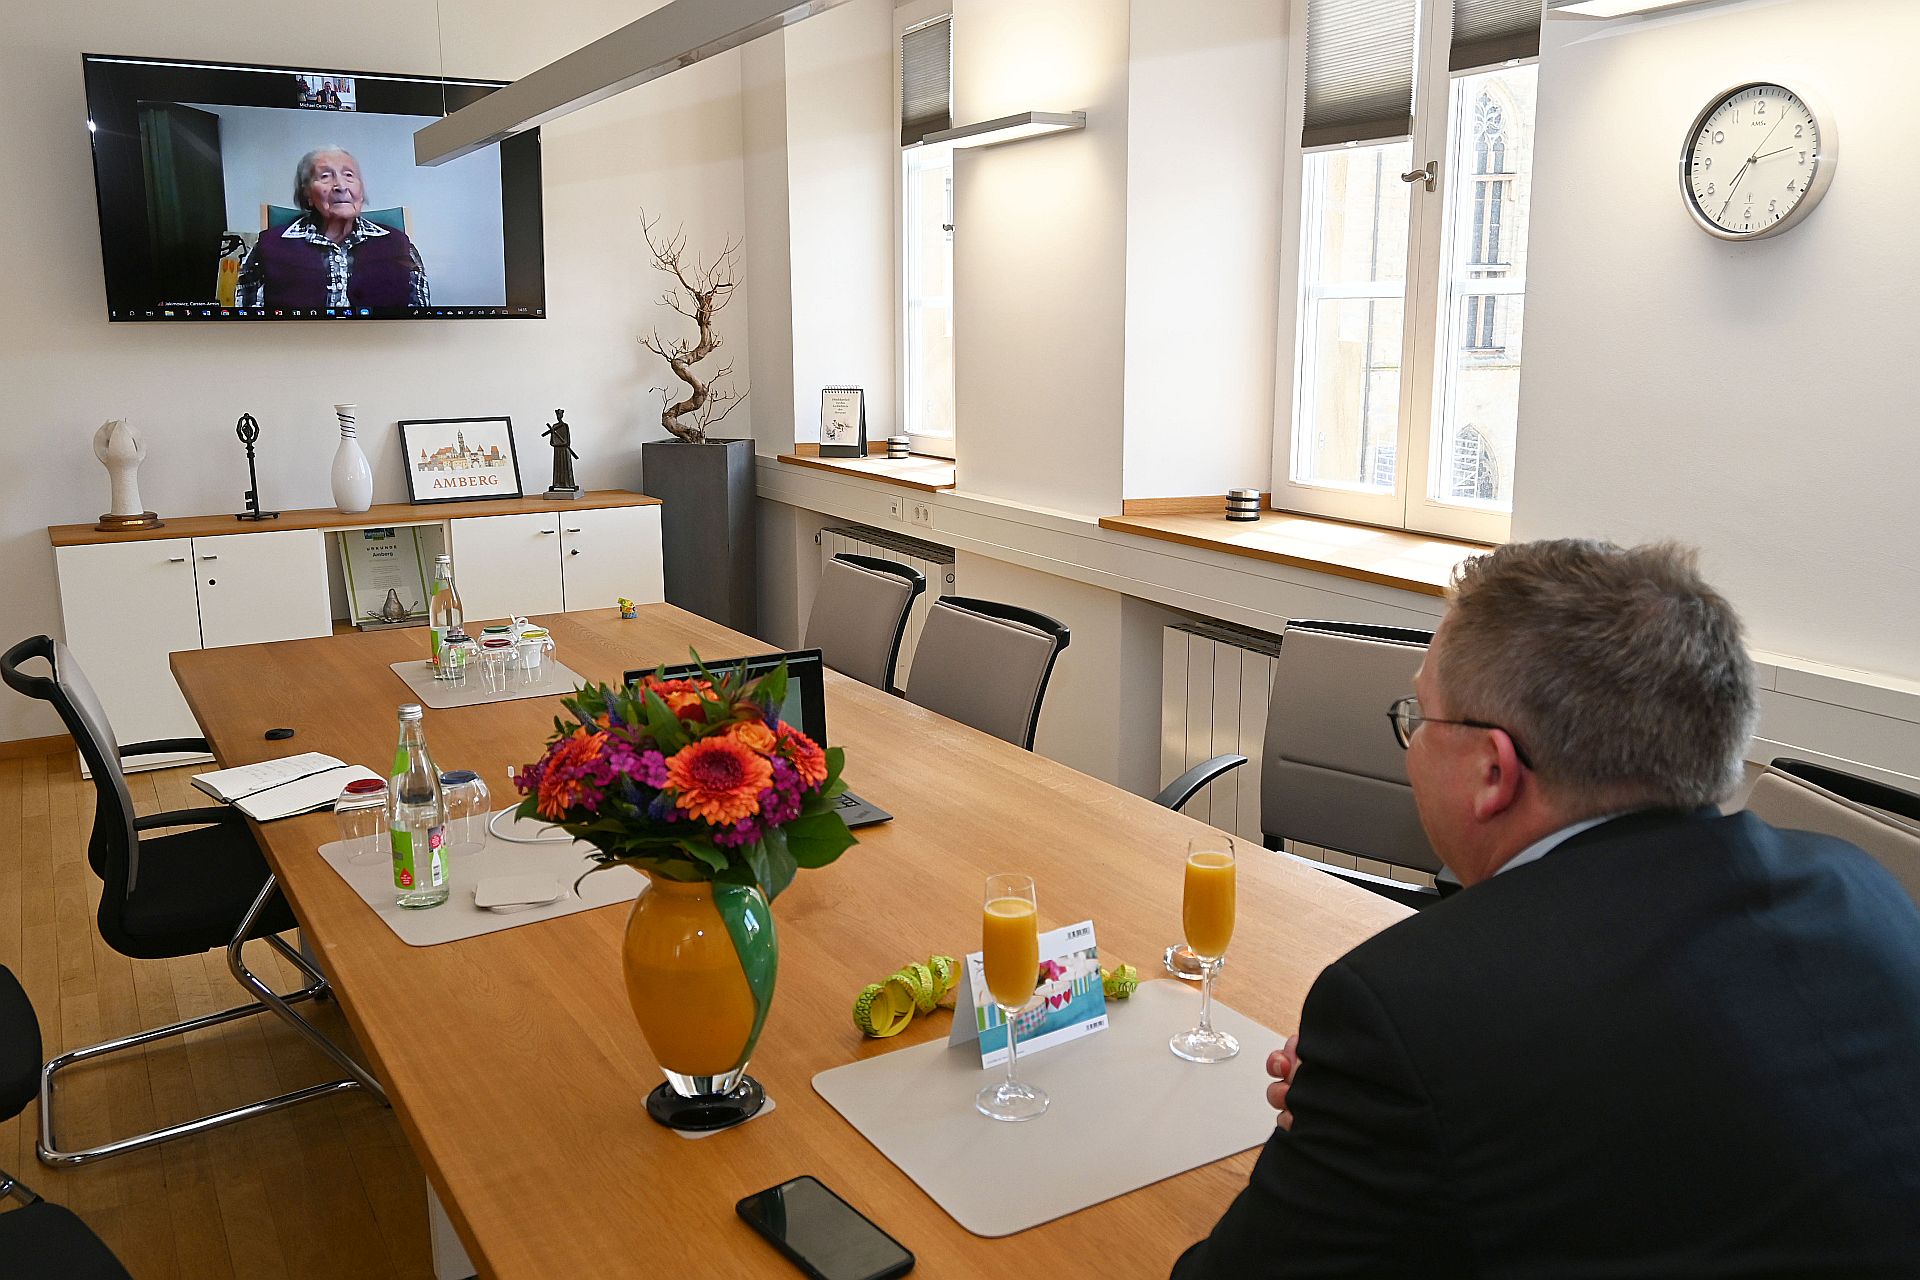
884 1009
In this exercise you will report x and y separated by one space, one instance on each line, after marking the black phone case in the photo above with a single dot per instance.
787 1251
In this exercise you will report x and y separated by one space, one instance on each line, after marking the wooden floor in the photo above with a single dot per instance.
327 1189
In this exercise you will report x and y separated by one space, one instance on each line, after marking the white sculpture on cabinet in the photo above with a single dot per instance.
121 450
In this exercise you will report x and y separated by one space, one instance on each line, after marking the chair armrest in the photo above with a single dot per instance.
159 745
1185 787
202 817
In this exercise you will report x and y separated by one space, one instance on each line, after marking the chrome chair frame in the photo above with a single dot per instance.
265 1000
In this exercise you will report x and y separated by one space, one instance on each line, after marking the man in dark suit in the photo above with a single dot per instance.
1645 1040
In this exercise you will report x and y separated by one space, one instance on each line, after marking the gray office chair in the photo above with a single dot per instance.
1883 820
860 615
170 896
987 665
37 1239
1332 773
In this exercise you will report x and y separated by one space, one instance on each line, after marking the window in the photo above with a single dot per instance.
1406 345
926 407
926 238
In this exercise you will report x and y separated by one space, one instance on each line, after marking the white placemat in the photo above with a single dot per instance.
1125 1113
457 917
550 679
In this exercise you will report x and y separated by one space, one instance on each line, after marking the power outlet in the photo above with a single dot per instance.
893 507
921 513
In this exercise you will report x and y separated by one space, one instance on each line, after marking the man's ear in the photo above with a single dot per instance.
1498 785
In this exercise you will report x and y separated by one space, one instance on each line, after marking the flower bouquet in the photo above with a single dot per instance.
693 779
700 784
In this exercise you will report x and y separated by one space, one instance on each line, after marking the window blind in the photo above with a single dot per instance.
1359 71
926 80
1489 32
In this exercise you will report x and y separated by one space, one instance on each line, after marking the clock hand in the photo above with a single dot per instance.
1775 152
1730 188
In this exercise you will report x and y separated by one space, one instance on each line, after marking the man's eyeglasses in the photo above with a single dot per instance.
1405 717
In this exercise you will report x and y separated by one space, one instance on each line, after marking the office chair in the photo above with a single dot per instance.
860 616
1883 820
987 665
1332 773
167 896
38 1239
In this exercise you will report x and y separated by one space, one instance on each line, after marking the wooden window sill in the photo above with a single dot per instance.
1416 562
930 475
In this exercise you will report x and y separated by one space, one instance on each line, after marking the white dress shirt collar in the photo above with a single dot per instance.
1548 843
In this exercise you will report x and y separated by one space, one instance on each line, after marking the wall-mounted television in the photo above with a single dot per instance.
238 193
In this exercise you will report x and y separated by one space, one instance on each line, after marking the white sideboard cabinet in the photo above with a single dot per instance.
129 601
128 606
556 561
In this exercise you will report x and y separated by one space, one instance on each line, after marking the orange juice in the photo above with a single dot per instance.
1011 938
1206 911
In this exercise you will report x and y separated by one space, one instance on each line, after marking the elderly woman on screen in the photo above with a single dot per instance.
331 256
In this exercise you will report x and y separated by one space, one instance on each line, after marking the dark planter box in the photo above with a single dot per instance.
706 525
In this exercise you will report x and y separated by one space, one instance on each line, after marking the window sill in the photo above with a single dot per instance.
929 475
1414 562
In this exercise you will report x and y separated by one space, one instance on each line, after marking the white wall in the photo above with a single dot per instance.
674 146
842 143
1039 254
1753 399
1206 118
453 210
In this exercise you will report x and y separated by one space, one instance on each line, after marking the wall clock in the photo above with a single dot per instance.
1756 161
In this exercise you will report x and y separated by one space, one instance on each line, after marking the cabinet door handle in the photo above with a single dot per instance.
214 556
549 531
573 531
176 559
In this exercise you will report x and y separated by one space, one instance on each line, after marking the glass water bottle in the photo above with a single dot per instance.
443 614
417 819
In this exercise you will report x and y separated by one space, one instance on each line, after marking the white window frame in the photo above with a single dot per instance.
1425 328
907 15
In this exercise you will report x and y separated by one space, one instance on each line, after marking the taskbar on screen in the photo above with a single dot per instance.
210 311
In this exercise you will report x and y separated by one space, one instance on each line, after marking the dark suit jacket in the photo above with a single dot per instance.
1678 1045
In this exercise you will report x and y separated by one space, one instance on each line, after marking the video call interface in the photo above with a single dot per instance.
257 193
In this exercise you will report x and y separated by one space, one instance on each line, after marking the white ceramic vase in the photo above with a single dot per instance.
352 476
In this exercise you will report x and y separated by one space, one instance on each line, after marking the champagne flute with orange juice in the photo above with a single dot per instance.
1206 915
1010 940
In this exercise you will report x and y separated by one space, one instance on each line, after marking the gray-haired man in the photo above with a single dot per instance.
1646 1040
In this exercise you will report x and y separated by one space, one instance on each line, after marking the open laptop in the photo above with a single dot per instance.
806 706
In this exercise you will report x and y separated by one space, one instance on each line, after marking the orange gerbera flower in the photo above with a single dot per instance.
809 761
560 786
753 735
718 779
682 697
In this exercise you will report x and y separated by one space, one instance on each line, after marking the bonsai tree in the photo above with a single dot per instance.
701 290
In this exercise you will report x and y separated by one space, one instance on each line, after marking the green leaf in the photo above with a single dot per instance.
773 866
816 839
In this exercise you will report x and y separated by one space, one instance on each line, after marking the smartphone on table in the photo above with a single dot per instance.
823 1235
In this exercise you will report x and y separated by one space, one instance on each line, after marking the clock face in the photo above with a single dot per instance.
1757 161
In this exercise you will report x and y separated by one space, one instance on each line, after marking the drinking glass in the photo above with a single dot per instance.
467 810
362 813
1010 939
1206 916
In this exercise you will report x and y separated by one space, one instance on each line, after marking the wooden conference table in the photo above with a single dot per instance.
516 1067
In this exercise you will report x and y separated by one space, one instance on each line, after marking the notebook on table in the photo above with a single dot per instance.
284 787
806 706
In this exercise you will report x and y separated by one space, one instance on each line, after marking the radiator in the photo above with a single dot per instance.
935 563
1216 681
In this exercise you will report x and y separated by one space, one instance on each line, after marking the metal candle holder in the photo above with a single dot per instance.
248 429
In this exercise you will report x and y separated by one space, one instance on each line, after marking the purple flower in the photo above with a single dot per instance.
651 769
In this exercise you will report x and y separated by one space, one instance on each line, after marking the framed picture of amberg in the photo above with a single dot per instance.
459 459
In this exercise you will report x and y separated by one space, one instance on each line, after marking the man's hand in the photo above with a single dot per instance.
1281 1064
